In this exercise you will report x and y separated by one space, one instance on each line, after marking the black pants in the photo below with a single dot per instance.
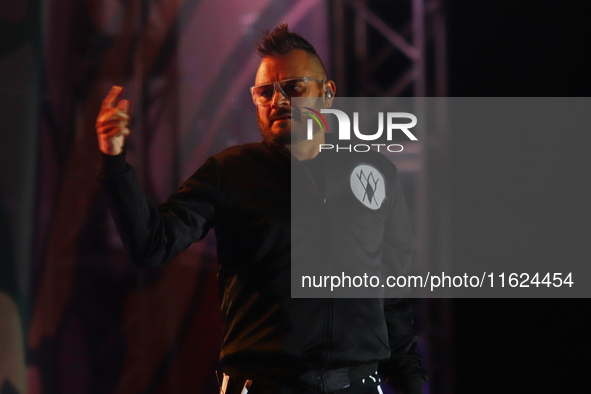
237 380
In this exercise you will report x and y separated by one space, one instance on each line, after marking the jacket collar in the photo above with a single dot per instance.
276 147
329 138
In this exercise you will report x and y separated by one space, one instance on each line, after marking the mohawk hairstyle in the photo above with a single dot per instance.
280 41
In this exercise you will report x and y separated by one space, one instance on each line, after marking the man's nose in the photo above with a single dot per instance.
279 98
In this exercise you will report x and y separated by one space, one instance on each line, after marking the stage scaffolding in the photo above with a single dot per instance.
398 48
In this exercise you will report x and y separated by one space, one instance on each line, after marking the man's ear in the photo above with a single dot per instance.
329 93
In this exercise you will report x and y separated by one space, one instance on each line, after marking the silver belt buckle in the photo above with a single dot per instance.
336 379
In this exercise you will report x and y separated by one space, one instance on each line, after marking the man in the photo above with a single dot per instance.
272 343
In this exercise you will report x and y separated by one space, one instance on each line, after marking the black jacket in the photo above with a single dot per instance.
263 219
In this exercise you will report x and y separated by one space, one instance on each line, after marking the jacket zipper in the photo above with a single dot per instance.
330 306
328 246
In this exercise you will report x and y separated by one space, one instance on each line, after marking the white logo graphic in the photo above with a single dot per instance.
367 184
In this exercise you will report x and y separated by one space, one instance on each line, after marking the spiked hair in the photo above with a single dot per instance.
280 41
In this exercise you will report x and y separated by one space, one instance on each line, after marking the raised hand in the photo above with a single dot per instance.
112 121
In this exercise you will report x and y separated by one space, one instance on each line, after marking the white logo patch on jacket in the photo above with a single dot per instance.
367 184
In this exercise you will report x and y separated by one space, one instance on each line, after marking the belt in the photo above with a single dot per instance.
336 379
313 381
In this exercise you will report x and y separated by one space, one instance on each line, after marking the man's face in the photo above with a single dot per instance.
275 119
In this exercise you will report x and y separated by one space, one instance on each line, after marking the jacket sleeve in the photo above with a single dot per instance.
154 235
403 370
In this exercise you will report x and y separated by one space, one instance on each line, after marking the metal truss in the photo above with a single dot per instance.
419 36
398 48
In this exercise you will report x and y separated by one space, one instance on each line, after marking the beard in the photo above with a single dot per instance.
291 132
283 137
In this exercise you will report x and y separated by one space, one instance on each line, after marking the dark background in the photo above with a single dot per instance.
515 197
520 197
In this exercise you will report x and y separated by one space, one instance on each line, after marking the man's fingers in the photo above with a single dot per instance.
118 115
113 97
115 132
125 106
108 124
108 131
112 114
